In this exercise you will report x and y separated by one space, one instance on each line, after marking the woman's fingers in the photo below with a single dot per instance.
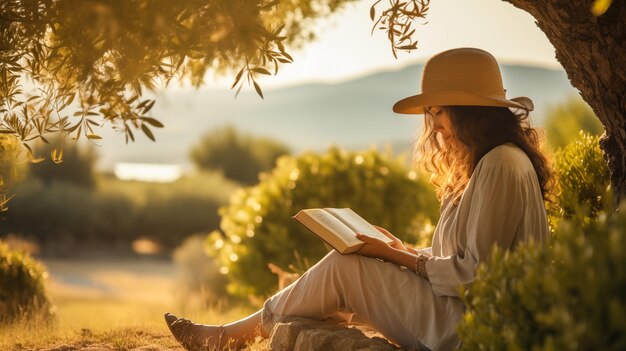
370 240
381 229
385 232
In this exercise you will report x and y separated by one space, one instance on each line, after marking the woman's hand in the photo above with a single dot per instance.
374 248
397 243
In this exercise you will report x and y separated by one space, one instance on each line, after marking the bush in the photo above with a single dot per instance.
583 180
239 156
568 297
257 224
22 290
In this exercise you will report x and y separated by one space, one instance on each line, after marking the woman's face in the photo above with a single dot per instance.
442 123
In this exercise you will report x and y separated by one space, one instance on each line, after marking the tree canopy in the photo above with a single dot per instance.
239 156
70 66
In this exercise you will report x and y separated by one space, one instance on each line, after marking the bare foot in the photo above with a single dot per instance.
196 337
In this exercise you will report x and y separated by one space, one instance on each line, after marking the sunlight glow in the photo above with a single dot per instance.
146 172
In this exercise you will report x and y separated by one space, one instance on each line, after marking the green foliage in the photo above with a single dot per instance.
567 297
397 20
22 288
63 216
566 120
257 224
583 180
89 62
240 157
97 58
76 165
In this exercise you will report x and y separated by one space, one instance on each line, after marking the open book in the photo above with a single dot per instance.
338 227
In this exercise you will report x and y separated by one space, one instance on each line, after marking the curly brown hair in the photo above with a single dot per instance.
477 130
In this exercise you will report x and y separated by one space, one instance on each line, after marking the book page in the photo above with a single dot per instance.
357 223
333 224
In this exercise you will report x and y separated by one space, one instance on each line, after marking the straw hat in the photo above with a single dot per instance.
461 77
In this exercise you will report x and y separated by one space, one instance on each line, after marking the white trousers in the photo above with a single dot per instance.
393 300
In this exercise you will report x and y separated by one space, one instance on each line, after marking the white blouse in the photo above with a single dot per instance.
502 205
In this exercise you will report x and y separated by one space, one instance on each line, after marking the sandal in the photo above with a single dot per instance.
193 336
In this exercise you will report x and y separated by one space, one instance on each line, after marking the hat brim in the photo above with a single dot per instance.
415 104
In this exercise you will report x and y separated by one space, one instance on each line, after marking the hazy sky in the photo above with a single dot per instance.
344 47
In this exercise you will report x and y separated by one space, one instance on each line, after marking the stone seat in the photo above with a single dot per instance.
302 334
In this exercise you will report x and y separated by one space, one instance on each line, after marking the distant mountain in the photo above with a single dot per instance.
353 114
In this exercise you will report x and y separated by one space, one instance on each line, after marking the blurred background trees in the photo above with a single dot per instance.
566 119
77 166
241 157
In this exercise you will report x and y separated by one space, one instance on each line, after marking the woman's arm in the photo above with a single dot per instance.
397 243
379 249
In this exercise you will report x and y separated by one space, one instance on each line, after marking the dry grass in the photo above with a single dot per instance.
90 319
112 324
88 324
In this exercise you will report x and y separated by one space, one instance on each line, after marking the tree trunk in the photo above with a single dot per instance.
592 51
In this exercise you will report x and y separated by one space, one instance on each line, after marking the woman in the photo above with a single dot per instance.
492 180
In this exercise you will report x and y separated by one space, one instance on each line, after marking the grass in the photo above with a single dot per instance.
115 324
89 319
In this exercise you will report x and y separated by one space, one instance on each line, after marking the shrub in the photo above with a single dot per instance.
257 224
583 180
568 297
240 156
22 290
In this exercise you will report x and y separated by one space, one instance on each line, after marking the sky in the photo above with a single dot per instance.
345 49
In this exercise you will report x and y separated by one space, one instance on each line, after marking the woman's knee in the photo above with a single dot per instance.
336 261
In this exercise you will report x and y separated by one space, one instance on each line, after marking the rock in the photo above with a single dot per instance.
102 347
284 334
62 348
154 347
302 334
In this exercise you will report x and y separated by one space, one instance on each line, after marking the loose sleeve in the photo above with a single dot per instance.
428 251
496 207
